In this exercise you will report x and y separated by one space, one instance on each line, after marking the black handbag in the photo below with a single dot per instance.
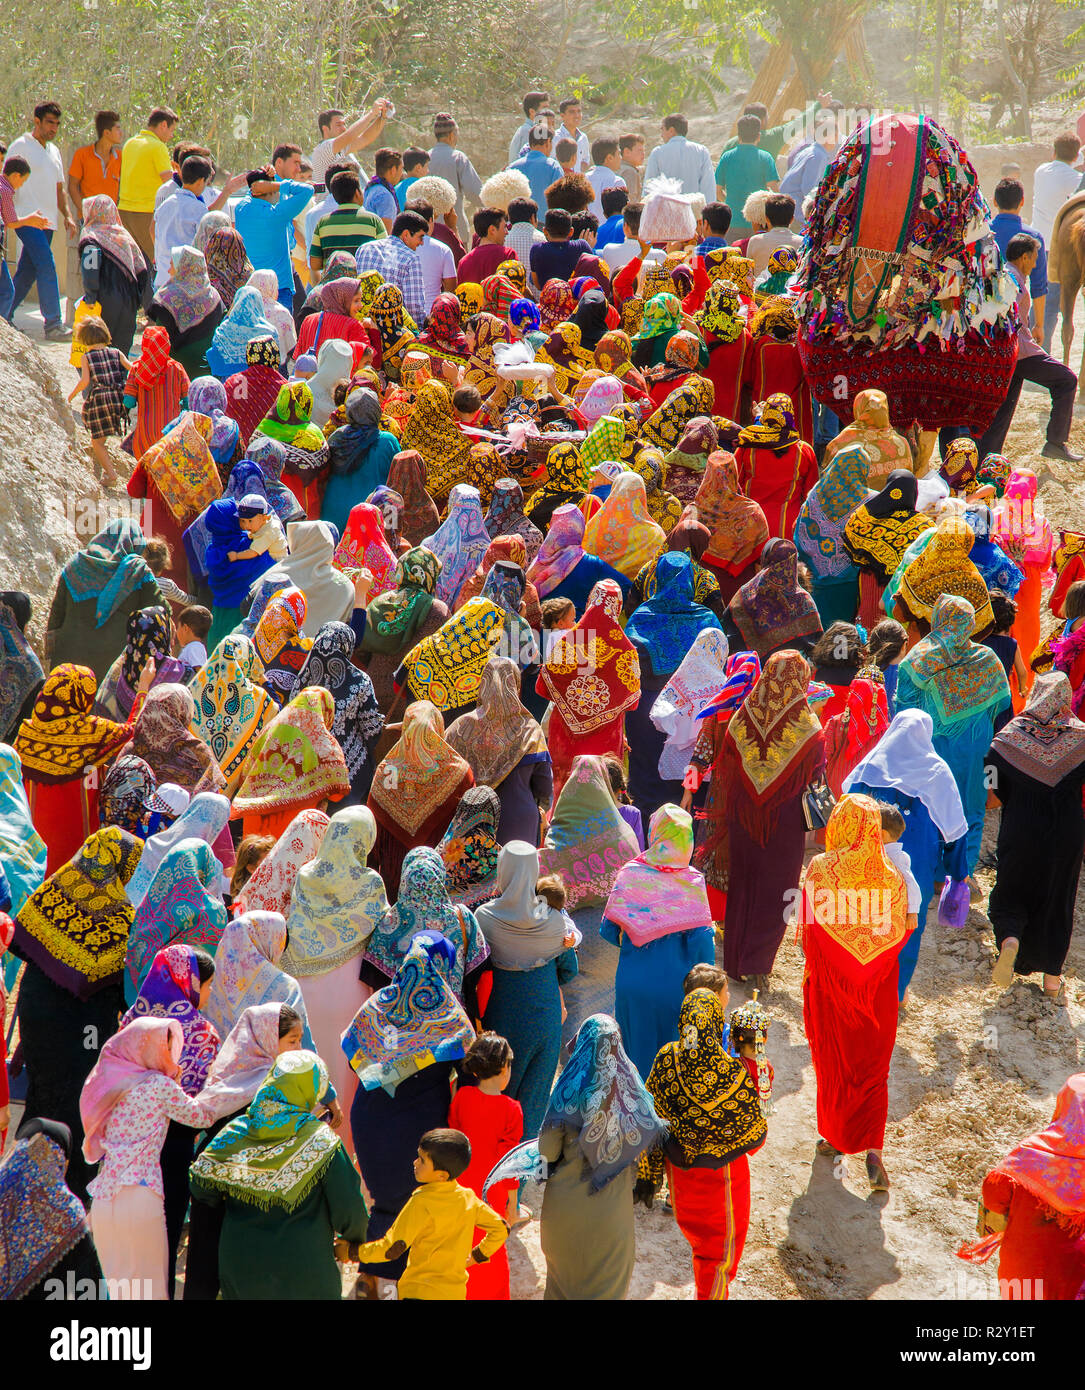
817 805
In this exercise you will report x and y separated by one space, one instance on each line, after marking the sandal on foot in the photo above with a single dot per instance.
875 1171
1002 974
826 1150
1057 996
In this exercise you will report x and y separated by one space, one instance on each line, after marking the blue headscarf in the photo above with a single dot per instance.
244 322
995 566
349 445
600 1102
207 396
247 476
22 850
230 580
267 587
524 315
111 568
41 1220
666 625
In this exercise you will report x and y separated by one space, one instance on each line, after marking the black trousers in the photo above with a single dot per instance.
1059 380
176 1157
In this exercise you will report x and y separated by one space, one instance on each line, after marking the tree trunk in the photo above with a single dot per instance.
1025 119
939 49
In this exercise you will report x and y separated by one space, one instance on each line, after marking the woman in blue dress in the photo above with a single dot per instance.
360 454
531 960
963 687
904 770
658 916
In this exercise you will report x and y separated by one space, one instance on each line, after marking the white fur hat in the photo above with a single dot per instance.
667 213
499 190
436 191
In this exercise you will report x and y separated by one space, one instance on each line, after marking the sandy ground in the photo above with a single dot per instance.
972 1073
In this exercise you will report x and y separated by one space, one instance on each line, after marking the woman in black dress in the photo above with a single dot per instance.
1039 765
113 269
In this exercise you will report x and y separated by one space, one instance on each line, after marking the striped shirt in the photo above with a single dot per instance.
7 202
345 229
157 405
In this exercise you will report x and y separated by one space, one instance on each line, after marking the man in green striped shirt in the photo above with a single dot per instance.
347 227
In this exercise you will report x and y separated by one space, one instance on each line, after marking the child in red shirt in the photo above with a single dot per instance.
494 1123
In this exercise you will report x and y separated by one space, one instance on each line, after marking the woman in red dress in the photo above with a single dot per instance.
775 467
774 363
854 920
728 343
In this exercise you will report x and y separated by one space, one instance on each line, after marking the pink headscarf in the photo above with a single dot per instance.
1020 529
141 1048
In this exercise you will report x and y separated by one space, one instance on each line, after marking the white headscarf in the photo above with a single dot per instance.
334 362
904 759
282 320
203 819
329 595
697 680
521 929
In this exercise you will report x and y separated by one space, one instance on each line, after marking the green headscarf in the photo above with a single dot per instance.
662 314
277 1152
393 619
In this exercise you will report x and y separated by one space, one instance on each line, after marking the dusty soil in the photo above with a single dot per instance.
973 1071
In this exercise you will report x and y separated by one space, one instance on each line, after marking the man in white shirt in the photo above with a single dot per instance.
604 172
619 256
42 192
523 229
337 139
534 102
779 211
571 115
1052 184
177 217
438 263
679 158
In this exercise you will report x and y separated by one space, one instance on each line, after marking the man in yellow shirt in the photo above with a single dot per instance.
436 1225
145 166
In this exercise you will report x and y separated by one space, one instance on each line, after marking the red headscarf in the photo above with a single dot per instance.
153 357
851 734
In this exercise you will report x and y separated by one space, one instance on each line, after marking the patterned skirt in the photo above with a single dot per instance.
104 413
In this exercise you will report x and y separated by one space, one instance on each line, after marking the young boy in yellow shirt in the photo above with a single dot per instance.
437 1224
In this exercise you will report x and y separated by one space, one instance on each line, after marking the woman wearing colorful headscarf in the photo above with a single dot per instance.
336 308
127 785
231 338
364 545
232 706
711 1106
334 364
358 721
150 637
531 961
662 320
877 534
772 610
622 533
563 352
252 392
509 550
360 454
737 525
658 914
306 462
507 516
506 750
207 396
397 620
662 629
904 770
775 366
1032 1207
188 307
277 637
407 475
179 478
23 852
402 1045
459 542
775 467
556 303
424 903
21 674
469 847
587 840
280 319
433 432
699 677
228 264
942 566
447 667
562 568
182 907
598 1123
723 330
130 1100
962 686
296 763
295 1191
854 916
55 747
113 269
416 788
819 533
72 933
272 883
773 748
887 450
97 590
443 336
591 677
567 480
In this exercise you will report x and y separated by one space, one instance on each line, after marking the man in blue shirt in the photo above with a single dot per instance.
613 201
380 194
538 166
264 218
415 167
1010 199
534 103
717 223
808 164
683 159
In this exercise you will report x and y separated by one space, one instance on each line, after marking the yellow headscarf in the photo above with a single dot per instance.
622 532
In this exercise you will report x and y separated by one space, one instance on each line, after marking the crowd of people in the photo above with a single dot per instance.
479 580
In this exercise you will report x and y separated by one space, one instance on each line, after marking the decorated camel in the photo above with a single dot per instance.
1066 268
